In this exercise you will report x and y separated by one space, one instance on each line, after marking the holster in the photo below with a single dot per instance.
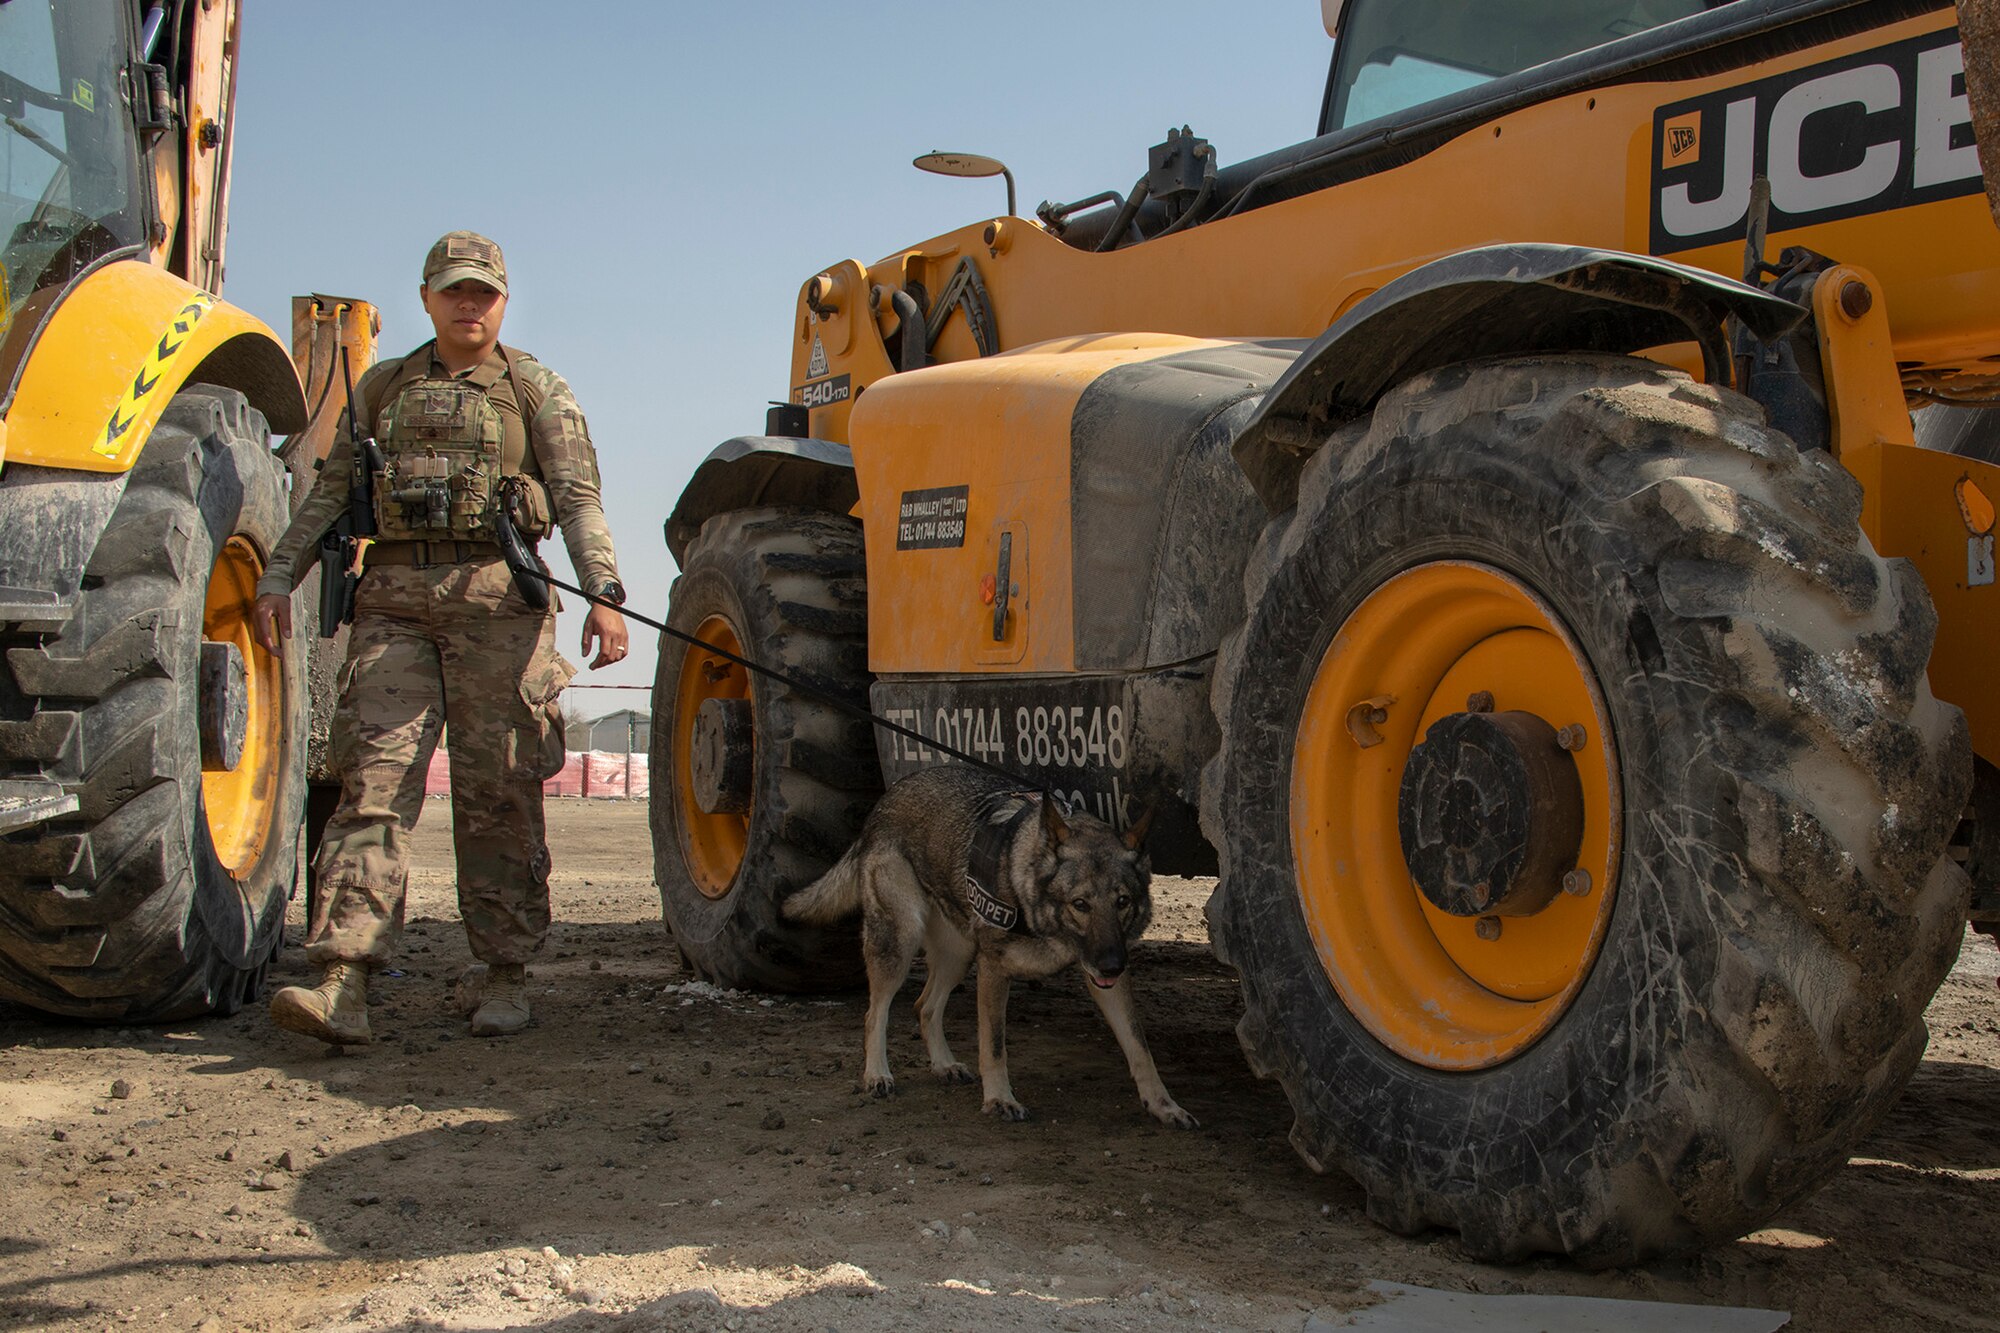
336 583
530 574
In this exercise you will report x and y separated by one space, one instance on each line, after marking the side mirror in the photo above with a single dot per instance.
967 164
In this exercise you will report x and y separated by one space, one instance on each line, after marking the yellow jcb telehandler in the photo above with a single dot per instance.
153 759
1493 531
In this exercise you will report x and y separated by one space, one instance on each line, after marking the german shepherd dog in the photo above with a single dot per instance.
1059 891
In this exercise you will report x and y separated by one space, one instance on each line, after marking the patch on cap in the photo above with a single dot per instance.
462 255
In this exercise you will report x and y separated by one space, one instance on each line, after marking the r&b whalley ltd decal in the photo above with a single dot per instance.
821 393
933 519
1879 130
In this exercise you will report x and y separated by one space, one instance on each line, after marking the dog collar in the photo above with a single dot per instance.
998 816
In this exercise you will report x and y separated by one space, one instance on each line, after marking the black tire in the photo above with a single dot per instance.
1978 845
124 911
1784 910
792 586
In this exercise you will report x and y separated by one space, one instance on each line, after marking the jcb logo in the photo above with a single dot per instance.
1881 130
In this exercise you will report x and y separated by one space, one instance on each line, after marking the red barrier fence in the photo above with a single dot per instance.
596 773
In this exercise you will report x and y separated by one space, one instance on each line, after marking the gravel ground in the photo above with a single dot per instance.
655 1154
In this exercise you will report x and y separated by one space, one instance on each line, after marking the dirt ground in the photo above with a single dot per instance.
654 1154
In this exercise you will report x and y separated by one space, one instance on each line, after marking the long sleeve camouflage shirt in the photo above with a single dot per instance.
559 453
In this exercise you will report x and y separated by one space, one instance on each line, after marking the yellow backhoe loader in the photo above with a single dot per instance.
152 757
1492 530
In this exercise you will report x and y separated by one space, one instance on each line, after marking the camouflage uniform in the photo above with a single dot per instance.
441 637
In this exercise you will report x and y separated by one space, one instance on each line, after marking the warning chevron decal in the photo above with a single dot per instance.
132 404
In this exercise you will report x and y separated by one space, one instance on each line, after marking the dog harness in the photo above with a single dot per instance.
998 816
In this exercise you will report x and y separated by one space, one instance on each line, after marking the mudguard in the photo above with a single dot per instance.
1498 300
121 344
763 470
117 350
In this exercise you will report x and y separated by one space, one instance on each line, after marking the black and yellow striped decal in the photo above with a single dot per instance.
133 403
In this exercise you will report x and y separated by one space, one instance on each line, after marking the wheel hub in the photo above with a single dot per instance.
225 706
722 756
1490 814
712 797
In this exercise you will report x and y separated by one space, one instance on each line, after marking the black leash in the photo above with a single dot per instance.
533 570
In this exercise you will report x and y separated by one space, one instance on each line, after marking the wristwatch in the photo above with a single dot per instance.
612 591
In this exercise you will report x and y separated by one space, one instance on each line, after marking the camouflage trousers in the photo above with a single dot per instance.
451 648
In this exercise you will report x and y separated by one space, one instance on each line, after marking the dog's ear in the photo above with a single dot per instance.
1136 834
1053 824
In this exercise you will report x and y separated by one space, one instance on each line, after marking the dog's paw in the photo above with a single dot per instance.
884 1086
1169 1113
1006 1108
953 1073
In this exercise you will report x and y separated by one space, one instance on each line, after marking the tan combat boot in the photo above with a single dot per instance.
503 1008
335 1010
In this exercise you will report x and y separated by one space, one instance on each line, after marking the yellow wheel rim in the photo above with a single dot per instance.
712 845
241 803
1426 983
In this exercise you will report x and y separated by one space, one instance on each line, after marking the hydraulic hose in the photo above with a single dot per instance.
916 348
1124 218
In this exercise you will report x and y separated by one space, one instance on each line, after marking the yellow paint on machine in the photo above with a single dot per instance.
111 358
1933 269
1939 261
1009 445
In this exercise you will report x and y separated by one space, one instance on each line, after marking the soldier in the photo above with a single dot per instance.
442 635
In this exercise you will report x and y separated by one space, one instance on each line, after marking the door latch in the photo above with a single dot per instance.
1002 580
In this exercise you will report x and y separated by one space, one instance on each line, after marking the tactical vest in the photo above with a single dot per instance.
999 815
448 443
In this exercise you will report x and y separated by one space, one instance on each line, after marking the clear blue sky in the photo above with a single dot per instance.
664 176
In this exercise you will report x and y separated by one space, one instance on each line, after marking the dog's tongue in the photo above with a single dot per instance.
1101 983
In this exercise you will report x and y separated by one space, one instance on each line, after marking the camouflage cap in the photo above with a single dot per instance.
460 256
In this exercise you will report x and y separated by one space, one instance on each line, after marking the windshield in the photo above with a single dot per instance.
69 160
1396 54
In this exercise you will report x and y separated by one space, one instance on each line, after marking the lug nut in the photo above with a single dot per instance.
1364 717
1571 737
1479 701
1855 299
1576 883
1488 928
1482 893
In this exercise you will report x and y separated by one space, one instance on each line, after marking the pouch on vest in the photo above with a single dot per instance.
533 516
443 446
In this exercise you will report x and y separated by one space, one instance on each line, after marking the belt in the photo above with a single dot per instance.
425 555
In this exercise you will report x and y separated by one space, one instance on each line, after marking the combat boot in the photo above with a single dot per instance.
335 1010
503 1007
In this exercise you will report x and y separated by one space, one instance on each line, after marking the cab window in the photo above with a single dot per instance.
1397 54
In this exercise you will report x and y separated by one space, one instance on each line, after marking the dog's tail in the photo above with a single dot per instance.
834 895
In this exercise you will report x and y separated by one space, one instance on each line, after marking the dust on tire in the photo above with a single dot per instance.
1758 1003
146 924
792 582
